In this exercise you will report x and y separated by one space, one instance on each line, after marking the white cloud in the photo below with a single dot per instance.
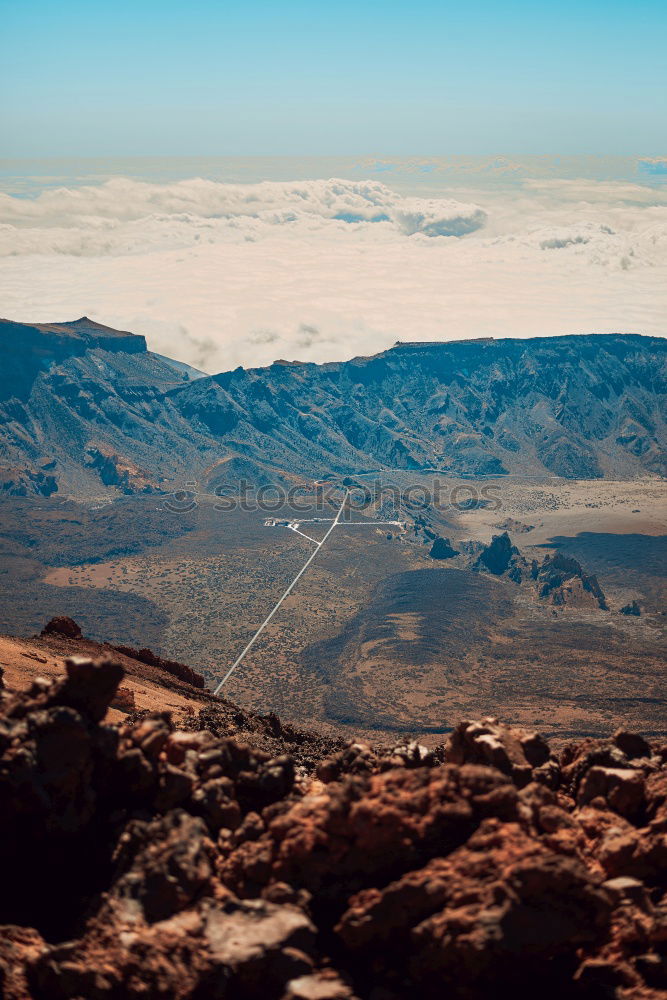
437 217
219 275
597 192
126 216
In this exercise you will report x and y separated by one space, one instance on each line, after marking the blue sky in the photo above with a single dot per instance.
100 78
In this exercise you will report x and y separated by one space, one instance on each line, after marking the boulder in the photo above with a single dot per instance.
62 626
561 580
523 756
621 788
477 919
632 744
90 685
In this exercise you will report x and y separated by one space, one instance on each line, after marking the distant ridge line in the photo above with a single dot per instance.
441 343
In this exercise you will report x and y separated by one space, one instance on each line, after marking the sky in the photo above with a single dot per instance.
242 182
208 78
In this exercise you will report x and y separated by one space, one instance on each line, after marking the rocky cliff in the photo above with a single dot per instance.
82 407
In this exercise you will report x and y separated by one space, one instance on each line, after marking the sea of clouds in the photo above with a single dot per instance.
220 274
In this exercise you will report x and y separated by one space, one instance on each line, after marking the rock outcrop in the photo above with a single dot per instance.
173 667
139 861
501 557
562 580
558 580
119 471
64 626
442 549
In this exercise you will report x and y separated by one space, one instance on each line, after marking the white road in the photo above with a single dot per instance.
266 621
373 524
303 534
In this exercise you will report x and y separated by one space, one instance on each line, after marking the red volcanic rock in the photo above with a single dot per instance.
178 745
577 759
222 949
656 799
124 700
479 915
90 686
355 758
19 946
364 829
215 802
142 862
162 866
523 756
173 667
62 626
621 788
631 744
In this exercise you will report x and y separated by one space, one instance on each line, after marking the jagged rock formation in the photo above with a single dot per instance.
139 861
500 557
91 406
442 549
559 579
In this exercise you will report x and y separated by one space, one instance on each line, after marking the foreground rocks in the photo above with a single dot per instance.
143 862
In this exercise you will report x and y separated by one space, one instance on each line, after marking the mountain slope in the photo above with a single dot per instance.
84 407
583 407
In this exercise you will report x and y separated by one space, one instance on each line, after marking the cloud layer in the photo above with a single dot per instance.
220 274
127 216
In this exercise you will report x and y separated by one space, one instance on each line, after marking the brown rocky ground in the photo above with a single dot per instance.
152 687
140 860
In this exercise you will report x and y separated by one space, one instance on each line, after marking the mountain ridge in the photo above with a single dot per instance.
84 408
